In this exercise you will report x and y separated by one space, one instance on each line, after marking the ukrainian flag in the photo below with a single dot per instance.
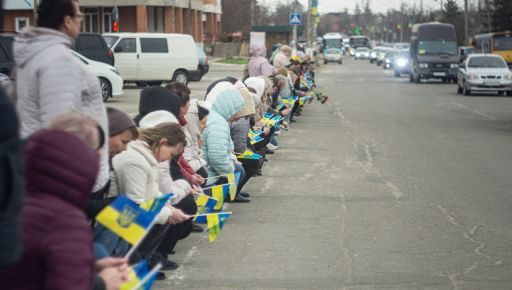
256 140
218 192
129 220
138 272
233 179
254 133
248 154
205 204
215 222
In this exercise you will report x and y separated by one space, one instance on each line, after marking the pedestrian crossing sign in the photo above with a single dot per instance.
295 19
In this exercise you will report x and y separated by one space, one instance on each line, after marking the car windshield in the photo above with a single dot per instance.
332 50
502 42
391 53
437 47
362 49
110 40
486 62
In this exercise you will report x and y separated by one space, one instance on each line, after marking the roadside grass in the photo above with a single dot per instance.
234 60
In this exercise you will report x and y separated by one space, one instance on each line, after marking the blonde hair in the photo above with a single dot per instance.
80 125
172 132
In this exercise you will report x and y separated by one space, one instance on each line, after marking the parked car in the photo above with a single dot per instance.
362 53
111 81
202 68
6 57
333 54
153 57
401 63
93 46
483 73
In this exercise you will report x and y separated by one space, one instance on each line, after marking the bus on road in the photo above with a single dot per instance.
499 43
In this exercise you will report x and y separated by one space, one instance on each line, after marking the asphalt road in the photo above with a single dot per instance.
390 185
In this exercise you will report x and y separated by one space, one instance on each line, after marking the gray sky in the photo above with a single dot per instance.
326 6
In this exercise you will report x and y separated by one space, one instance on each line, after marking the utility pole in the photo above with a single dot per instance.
294 31
466 22
310 23
489 24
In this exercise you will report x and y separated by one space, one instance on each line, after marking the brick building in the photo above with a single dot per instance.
199 18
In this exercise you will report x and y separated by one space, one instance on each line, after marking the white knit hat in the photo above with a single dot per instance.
157 117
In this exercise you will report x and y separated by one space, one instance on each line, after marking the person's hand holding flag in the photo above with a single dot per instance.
178 216
113 271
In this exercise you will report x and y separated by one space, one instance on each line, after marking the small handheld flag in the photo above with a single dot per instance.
256 140
218 192
248 154
129 220
140 278
215 222
205 204
233 179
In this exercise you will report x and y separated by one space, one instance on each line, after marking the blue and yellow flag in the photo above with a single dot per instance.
215 222
233 180
254 133
205 204
218 192
248 154
129 220
256 140
136 277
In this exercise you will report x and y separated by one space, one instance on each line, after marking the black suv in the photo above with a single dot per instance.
6 57
93 46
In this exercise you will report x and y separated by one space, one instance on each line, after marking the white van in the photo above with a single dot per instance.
153 57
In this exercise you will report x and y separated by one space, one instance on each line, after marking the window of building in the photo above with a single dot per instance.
108 20
126 45
21 22
91 20
155 19
154 45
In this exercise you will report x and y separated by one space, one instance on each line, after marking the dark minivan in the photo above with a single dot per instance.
93 46
434 52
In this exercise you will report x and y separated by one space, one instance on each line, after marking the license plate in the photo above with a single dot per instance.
491 83
439 74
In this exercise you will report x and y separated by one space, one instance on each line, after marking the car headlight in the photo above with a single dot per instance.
401 62
454 65
507 77
472 77
388 60
423 65
115 71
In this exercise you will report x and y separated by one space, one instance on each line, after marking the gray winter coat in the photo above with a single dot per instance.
50 81
239 132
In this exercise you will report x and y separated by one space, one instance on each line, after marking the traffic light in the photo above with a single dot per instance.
115 27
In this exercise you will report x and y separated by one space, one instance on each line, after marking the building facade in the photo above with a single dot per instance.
199 18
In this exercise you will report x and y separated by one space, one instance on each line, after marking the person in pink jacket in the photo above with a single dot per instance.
258 64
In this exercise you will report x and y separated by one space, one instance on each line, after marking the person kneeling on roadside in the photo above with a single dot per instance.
136 176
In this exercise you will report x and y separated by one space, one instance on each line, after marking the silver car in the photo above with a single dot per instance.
332 54
362 53
483 73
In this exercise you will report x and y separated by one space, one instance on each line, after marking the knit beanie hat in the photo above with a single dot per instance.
157 98
248 108
118 121
157 117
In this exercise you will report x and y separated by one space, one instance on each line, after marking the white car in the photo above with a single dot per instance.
111 81
483 73
362 53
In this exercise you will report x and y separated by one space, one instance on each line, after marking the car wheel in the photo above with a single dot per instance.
459 90
340 62
106 89
417 79
325 62
411 78
509 93
180 76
